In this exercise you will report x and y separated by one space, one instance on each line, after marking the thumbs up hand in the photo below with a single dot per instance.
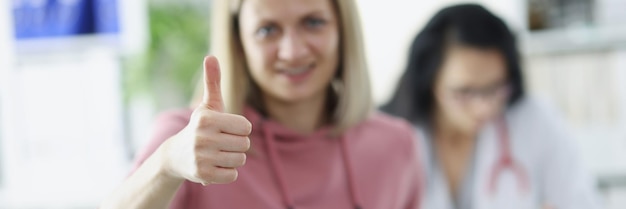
210 148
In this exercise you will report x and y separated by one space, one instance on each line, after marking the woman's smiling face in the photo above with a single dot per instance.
291 46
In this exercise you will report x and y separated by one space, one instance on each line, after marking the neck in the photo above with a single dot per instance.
453 147
452 136
303 116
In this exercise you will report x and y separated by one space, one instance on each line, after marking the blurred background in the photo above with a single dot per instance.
81 81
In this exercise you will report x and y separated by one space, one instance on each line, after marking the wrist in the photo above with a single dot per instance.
162 165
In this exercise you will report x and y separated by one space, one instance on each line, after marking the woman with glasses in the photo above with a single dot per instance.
484 143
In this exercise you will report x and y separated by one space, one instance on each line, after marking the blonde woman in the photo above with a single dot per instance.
295 70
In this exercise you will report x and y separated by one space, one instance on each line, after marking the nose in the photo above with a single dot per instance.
484 109
293 47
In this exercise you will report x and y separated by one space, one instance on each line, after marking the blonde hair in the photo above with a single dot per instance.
354 101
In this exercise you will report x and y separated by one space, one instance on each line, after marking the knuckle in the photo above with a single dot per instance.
206 173
205 160
204 140
201 145
234 159
239 144
206 121
201 161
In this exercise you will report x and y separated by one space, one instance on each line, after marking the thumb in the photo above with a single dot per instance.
212 98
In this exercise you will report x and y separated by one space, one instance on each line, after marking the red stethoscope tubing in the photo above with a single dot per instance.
506 161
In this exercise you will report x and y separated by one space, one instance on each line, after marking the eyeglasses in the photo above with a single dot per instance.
493 93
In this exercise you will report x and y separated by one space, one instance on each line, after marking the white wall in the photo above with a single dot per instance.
133 26
6 46
61 139
6 65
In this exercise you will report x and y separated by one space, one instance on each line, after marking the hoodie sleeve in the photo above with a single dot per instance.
416 175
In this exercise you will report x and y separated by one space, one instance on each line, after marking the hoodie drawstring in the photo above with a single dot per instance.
349 173
275 167
278 170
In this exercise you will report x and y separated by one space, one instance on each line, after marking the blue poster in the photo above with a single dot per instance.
55 18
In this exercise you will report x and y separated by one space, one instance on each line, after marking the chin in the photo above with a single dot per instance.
293 96
302 92
470 127
478 125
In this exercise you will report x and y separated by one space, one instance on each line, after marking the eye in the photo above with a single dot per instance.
466 92
463 93
314 22
266 31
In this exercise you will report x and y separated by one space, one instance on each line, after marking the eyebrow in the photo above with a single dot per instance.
262 18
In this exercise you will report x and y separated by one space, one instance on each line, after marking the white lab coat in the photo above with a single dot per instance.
542 147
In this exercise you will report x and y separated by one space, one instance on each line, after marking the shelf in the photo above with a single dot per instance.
572 40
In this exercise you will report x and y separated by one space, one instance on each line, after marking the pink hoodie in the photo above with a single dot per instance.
373 165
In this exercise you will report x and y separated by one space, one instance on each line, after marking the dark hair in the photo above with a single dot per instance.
467 24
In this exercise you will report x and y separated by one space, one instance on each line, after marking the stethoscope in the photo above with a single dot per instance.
506 161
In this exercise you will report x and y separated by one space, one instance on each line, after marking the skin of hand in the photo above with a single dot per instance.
210 148
207 151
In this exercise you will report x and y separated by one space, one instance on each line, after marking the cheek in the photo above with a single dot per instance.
259 58
332 59
452 110
457 112
498 109
326 44
255 67
332 49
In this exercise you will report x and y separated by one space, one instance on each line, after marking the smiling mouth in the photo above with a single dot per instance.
298 70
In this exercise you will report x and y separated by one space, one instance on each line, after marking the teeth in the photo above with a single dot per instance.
296 71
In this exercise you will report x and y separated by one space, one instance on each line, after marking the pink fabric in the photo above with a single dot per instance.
381 151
